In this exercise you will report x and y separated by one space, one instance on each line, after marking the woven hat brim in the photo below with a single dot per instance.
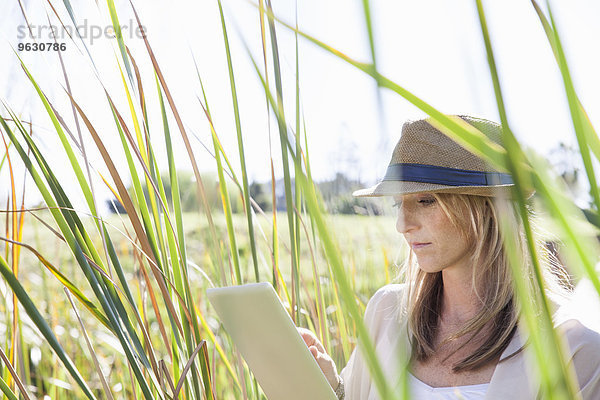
392 188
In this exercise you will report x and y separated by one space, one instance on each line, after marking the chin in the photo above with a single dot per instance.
430 269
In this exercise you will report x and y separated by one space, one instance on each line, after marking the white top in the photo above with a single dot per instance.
422 391
514 378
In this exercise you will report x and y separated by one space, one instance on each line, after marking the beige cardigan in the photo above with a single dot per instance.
512 379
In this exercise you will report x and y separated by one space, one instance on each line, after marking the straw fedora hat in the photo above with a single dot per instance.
426 160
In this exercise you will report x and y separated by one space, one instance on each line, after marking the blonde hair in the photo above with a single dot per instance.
477 217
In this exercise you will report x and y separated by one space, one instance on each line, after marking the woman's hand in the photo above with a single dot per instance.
318 351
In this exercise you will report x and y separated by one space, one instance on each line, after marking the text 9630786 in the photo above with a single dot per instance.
42 46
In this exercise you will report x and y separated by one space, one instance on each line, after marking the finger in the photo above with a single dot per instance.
327 365
306 332
308 337
322 359
319 346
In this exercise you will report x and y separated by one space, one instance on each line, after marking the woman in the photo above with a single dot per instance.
454 324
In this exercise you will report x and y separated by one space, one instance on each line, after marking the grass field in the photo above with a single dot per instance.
369 244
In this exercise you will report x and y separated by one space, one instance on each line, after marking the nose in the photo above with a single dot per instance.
406 221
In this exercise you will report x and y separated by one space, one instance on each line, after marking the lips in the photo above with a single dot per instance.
418 245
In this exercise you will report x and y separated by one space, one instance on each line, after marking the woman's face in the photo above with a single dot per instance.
437 243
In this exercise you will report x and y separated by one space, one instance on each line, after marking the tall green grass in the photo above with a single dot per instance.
148 298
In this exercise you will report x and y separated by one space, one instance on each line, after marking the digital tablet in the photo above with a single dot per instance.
267 338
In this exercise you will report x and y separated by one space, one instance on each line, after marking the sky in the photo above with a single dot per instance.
432 48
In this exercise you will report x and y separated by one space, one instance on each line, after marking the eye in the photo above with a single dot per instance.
397 204
427 201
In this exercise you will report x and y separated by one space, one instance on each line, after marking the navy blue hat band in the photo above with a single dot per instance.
444 176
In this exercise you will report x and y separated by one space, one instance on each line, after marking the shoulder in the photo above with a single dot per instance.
577 317
385 303
386 295
579 336
388 290
584 355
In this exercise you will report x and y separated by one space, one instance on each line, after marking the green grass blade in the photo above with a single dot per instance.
369 26
225 201
297 161
67 283
10 395
5 157
230 170
283 139
176 245
240 141
373 50
579 122
275 251
320 307
71 155
326 337
119 36
557 380
180 256
591 136
69 8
